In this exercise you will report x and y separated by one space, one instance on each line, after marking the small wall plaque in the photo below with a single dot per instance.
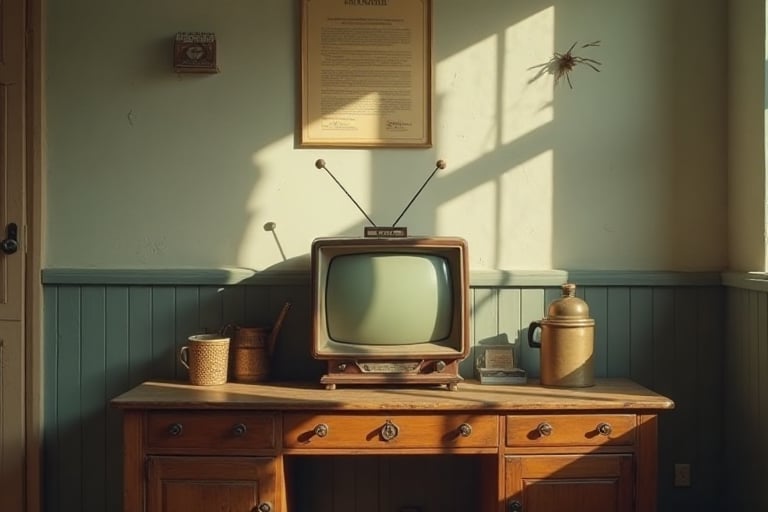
195 52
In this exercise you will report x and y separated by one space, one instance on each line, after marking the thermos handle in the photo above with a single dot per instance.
531 330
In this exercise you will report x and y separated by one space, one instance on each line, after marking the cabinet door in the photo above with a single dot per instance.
203 484
576 483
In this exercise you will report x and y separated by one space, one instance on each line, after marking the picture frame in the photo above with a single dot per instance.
365 75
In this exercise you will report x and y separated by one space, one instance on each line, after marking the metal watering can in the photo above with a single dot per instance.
252 348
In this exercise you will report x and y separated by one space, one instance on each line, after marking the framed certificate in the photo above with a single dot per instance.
366 73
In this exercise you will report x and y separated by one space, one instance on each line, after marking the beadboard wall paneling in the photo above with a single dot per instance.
102 339
746 400
444 483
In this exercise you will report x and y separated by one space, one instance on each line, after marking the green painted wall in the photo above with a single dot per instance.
146 168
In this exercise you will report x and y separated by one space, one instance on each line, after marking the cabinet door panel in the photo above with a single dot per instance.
577 483
201 484
572 495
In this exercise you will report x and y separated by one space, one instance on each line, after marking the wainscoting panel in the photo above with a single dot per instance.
102 339
746 400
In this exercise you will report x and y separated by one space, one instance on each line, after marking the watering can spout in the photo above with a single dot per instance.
276 328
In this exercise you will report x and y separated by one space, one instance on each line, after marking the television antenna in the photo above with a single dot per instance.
374 231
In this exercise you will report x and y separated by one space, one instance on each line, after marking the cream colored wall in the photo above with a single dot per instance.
747 142
147 168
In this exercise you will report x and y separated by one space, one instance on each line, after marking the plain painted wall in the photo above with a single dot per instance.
746 143
148 168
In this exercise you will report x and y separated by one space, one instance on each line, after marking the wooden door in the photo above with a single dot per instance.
202 484
12 263
576 483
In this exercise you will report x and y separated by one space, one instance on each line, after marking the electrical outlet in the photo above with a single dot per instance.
682 475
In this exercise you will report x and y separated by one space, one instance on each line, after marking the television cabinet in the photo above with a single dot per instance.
536 449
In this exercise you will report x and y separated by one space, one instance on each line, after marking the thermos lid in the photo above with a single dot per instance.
569 309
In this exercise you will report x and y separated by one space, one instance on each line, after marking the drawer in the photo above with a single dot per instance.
379 431
570 430
210 431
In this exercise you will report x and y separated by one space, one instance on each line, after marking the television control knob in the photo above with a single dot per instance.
440 366
465 430
321 430
389 431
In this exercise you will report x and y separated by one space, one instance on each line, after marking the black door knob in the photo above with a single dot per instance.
11 243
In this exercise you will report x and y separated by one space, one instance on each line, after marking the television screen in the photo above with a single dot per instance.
389 298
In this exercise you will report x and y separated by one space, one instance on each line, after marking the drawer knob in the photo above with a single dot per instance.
544 429
239 430
321 430
515 506
465 430
389 431
175 430
264 506
604 429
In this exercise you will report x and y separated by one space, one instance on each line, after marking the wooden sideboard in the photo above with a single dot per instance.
531 448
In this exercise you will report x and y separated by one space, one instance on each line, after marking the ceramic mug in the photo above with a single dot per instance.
206 357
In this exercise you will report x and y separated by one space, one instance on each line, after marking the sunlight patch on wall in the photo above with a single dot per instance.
452 215
466 87
302 201
510 225
526 213
527 94
765 145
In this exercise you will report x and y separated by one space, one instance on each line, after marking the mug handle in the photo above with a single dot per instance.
184 356
531 330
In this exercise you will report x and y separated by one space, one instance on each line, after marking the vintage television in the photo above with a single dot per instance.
390 310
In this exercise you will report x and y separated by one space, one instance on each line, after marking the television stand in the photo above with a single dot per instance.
431 372
294 447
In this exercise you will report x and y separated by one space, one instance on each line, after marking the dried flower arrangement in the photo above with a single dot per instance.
561 64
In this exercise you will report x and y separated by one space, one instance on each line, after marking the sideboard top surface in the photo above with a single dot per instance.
606 394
